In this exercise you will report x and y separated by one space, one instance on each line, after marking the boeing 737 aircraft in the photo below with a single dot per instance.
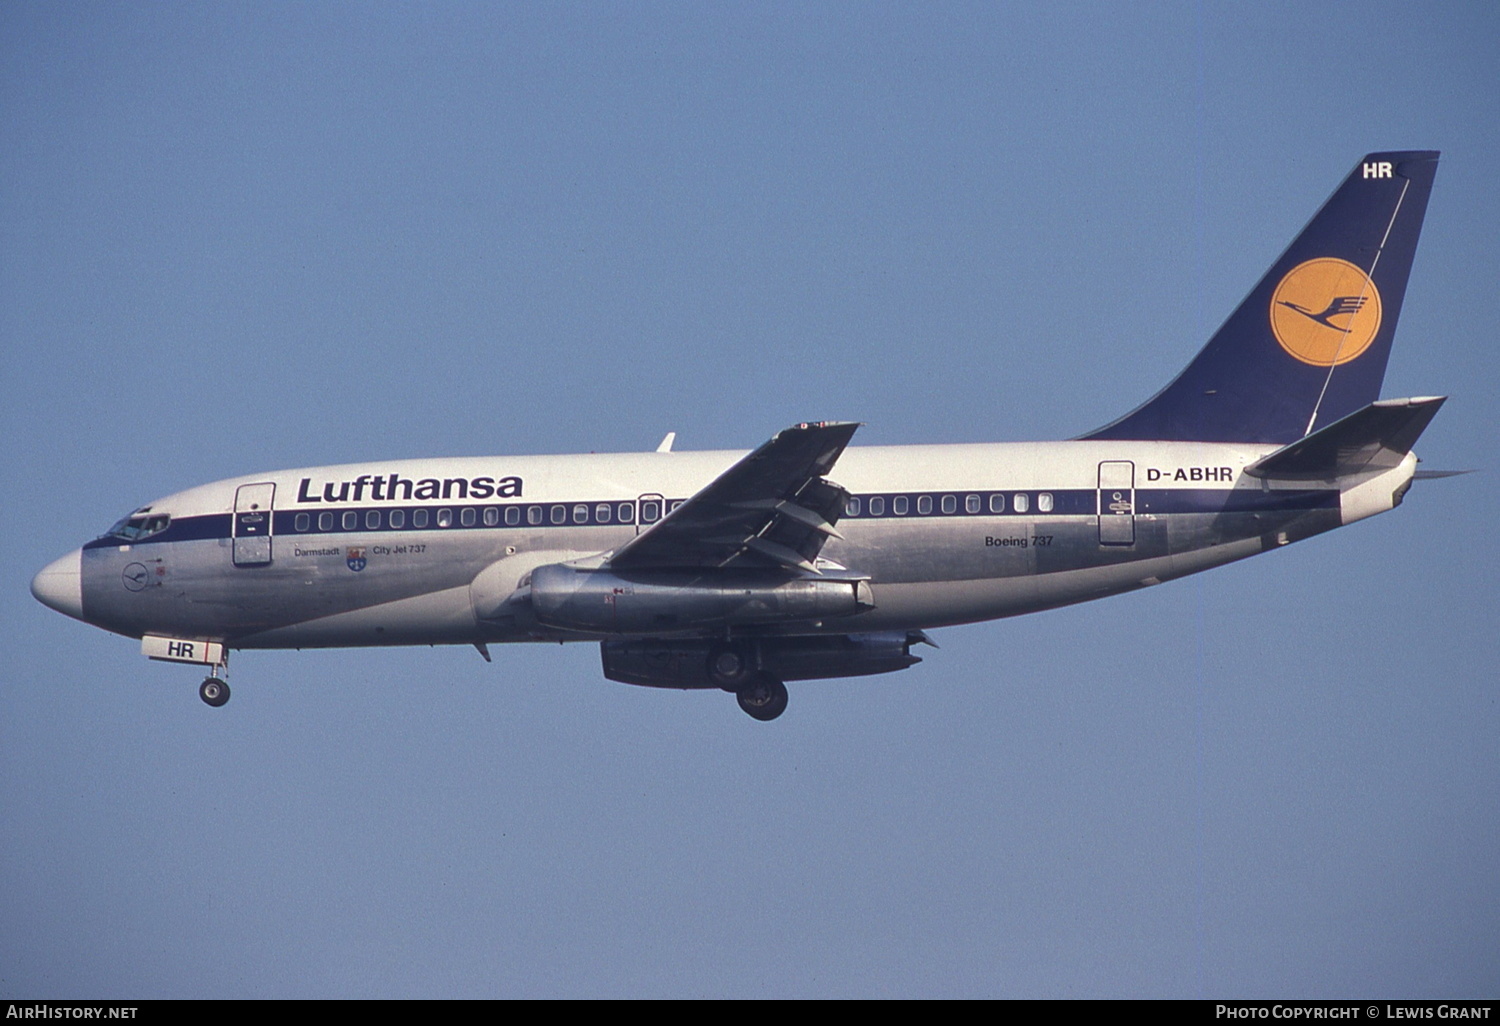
743 571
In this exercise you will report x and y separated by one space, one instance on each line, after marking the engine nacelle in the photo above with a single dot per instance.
657 602
691 663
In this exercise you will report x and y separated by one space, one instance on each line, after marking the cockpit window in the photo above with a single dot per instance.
137 526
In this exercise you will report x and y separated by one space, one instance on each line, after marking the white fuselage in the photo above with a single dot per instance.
435 551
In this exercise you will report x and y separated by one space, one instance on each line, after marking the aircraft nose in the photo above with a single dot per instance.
60 585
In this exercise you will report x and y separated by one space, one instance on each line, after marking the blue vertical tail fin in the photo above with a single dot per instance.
1309 344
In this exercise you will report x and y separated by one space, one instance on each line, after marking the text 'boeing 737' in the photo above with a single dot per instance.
806 558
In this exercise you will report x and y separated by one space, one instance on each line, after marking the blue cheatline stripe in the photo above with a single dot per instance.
1240 500
994 505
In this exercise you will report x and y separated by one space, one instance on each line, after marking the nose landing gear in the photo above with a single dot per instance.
214 691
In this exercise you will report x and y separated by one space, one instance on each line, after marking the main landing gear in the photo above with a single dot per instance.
764 697
733 668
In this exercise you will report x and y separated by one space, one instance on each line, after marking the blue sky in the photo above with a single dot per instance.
236 238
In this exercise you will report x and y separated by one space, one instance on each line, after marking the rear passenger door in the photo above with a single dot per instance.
1117 503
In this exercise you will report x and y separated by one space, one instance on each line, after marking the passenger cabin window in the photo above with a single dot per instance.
950 504
650 511
325 521
445 518
533 514
877 505
559 514
468 517
398 519
626 513
851 508
1044 502
971 504
372 520
492 517
580 514
351 520
303 522
899 505
997 503
924 505
1021 502
601 512
419 518
512 515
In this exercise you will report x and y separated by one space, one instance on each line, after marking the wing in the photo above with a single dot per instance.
772 509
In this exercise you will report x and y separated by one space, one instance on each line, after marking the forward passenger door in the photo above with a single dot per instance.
253 524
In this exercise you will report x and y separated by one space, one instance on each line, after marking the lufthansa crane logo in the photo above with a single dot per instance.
1325 312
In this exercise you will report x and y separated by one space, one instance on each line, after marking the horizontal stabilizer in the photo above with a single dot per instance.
1375 438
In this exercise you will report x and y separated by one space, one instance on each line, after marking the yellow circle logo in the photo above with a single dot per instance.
1325 312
